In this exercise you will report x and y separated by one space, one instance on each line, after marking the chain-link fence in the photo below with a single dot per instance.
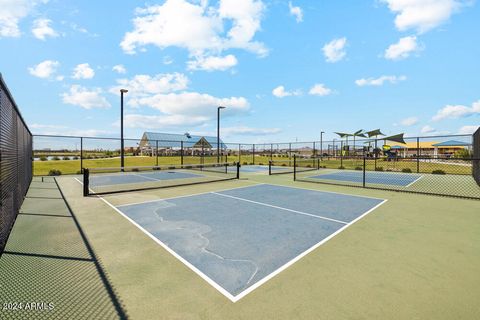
15 162
446 176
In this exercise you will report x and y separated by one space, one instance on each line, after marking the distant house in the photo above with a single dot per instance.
172 144
431 148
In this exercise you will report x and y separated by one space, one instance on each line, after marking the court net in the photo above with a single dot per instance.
115 180
288 166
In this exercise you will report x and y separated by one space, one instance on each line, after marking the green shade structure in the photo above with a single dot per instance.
395 138
374 133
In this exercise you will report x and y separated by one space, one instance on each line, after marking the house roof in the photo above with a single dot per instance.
172 140
452 143
430 145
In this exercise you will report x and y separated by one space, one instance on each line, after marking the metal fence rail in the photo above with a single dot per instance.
15 162
435 176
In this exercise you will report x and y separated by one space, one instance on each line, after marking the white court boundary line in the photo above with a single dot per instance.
261 281
281 208
408 185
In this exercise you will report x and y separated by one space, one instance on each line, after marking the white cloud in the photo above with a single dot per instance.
209 31
320 89
53 129
85 98
410 121
457 111
334 51
280 92
193 104
41 29
45 69
11 12
167 60
296 12
213 63
379 81
119 68
427 129
468 129
402 49
83 71
143 85
422 15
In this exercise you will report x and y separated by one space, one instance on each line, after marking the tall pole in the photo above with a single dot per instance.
122 147
321 143
218 133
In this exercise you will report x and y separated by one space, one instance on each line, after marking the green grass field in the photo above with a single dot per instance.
73 166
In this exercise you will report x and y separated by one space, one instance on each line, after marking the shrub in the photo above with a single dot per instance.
66 158
284 165
358 168
260 164
407 170
75 158
135 170
79 172
341 167
438 172
43 158
463 153
54 172
55 158
245 163
379 169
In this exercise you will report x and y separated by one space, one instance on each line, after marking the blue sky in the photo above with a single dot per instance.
286 70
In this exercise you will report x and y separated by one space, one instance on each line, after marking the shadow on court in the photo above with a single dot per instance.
48 268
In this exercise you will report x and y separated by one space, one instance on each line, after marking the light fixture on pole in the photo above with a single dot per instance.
218 132
122 147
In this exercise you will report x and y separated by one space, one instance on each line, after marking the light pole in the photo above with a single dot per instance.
321 143
218 133
122 151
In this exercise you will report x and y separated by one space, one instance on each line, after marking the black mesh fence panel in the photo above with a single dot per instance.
15 162
476 156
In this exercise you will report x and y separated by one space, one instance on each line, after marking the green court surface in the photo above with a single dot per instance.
413 257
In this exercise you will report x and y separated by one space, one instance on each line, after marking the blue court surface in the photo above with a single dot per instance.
239 238
139 177
373 177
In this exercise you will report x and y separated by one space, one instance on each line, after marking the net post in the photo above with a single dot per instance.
318 164
270 167
86 182
226 167
294 167
81 154
238 170
364 170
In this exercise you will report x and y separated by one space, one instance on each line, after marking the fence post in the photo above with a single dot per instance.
418 154
81 154
253 154
181 152
341 153
156 153
364 170
294 167
270 167
271 151
290 154
314 151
